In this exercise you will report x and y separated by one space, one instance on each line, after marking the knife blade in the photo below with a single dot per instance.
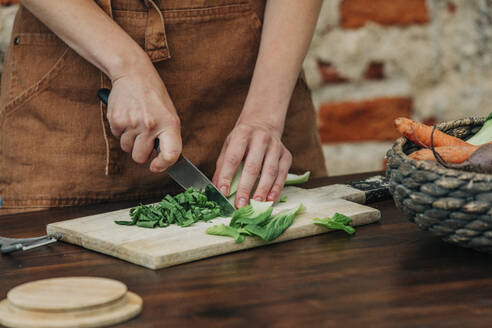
186 174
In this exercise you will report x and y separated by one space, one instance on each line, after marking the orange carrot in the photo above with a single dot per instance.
413 130
450 154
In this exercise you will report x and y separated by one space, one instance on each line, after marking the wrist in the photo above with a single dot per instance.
128 63
264 112
270 120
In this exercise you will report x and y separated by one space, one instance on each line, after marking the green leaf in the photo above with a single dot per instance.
254 213
282 199
244 232
338 222
147 224
276 225
223 230
124 222
484 135
293 179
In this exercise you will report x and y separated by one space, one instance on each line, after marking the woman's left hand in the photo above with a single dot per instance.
264 155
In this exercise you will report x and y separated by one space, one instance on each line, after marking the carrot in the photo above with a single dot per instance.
450 154
421 134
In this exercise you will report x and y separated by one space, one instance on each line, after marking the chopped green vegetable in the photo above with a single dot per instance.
293 179
256 219
184 209
223 230
124 222
484 135
338 222
283 199
254 213
276 225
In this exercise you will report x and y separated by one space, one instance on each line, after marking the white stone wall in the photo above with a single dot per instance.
6 21
445 66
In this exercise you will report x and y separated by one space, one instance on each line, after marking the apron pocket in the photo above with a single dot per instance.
36 58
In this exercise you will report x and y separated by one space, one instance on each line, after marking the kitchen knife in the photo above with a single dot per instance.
186 174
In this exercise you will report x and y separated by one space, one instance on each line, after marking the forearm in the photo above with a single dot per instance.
287 31
86 28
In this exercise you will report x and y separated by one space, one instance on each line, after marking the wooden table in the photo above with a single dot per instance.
389 274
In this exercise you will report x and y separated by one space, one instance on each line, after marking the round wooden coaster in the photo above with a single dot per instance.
69 302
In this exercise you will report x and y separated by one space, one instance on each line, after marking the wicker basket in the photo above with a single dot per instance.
452 204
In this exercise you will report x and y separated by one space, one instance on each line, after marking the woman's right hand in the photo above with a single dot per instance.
139 111
140 108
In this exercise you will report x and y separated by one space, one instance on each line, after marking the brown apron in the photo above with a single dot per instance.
56 148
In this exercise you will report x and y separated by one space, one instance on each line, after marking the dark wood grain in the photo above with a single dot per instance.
389 274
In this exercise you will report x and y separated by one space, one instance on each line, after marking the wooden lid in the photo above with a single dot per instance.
69 302
66 294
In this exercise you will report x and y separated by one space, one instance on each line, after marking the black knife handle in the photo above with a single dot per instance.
103 95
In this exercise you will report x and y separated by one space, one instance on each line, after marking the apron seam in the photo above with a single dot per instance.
14 104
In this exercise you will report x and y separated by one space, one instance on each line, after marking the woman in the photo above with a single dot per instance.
220 77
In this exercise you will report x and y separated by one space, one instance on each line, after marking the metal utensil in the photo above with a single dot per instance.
186 174
9 245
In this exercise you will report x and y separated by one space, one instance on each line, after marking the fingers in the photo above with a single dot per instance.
117 125
252 167
269 172
283 169
127 140
219 163
142 147
232 158
170 146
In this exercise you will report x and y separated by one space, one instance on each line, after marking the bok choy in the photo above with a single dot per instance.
256 219
484 135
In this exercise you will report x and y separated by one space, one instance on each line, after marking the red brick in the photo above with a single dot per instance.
8 2
452 7
330 74
356 13
375 71
363 120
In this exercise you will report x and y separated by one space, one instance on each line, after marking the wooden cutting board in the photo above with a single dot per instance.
163 247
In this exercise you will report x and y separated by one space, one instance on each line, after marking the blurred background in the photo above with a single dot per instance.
374 60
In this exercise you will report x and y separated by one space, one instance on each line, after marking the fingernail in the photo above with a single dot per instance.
223 190
271 197
242 202
162 170
258 199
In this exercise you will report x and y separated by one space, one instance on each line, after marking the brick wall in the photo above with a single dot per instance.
374 60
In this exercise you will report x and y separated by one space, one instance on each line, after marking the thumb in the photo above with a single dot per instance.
170 147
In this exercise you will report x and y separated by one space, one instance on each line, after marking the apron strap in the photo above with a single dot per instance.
157 49
155 33
113 151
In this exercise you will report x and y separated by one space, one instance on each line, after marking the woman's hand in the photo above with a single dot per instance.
140 110
264 155
256 137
